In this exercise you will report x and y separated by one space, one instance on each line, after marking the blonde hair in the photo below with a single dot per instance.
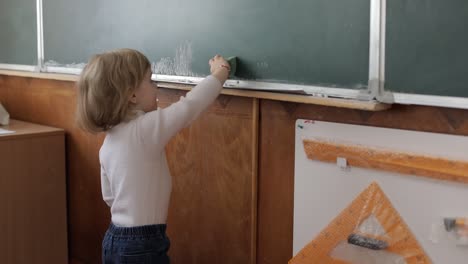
105 86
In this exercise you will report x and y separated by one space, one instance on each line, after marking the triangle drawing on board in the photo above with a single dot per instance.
368 231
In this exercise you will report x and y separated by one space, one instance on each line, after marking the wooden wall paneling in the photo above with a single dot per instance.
275 185
254 190
231 121
52 103
212 211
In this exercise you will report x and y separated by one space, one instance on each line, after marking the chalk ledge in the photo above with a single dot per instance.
304 99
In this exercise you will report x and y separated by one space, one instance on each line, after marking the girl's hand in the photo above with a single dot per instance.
219 68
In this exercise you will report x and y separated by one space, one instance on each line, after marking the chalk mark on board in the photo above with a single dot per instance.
180 65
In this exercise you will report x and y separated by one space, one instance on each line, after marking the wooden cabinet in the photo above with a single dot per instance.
33 220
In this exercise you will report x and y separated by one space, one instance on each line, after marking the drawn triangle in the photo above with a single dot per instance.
370 206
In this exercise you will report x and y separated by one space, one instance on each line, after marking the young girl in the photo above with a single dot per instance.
116 95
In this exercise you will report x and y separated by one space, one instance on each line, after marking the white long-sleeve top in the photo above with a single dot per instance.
135 178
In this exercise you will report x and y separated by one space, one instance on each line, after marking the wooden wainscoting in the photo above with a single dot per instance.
212 218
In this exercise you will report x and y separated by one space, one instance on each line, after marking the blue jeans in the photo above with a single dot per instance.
141 244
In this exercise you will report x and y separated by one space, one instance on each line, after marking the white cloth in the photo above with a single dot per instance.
135 178
4 116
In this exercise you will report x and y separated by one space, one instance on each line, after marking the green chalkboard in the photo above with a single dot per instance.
320 42
18 32
427 47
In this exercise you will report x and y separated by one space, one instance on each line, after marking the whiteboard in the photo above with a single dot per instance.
322 190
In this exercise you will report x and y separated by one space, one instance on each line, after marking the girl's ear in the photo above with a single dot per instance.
132 99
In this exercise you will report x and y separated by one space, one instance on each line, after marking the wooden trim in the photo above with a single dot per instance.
255 145
296 98
41 75
394 161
